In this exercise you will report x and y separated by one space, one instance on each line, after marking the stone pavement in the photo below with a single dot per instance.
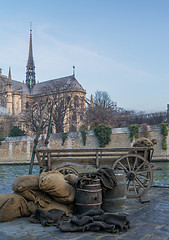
148 221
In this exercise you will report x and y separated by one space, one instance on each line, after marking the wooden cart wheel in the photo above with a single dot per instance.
67 170
139 174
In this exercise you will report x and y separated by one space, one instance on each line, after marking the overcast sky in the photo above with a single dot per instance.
118 46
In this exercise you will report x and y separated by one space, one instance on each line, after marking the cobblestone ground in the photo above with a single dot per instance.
148 221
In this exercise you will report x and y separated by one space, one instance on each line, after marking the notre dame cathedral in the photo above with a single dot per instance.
16 96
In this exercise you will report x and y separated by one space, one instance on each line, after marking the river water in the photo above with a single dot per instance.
9 172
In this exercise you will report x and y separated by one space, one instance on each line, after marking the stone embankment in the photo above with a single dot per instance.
19 149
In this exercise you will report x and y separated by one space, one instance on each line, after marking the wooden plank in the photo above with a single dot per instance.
100 155
49 162
39 161
84 161
126 149
97 160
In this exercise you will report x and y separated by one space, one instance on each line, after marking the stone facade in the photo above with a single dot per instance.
19 149
6 123
15 96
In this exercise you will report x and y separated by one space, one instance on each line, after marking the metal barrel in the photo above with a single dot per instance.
116 197
88 196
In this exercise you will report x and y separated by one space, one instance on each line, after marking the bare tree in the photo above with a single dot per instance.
32 115
100 115
132 117
102 99
62 110
101 111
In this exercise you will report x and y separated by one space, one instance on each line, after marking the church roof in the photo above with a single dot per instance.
19 86
3 78
59 84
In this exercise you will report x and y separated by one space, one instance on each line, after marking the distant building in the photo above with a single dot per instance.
15 95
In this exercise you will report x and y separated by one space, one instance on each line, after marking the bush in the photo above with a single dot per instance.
84 137
103 133
16 131
64 137
164 132
134 128
1 139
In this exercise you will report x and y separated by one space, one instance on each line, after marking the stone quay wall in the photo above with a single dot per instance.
16 150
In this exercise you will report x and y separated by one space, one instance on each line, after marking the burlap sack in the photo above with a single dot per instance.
52 205
66 200
71 178
56 205
32 206
40 198
25 182
12 206
53 182
142 142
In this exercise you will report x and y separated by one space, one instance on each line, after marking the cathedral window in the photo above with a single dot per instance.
76 101
72 128
27 105
74 117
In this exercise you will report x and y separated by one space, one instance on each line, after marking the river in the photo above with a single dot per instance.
9 172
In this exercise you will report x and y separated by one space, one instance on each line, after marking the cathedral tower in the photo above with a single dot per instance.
30 68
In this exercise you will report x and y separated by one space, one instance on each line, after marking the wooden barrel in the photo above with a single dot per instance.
88 196
116 197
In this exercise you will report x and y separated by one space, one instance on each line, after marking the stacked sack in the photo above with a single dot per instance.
49 190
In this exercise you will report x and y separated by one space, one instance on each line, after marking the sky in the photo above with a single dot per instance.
117 46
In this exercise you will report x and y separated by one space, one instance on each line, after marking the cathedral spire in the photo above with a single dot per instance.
30 68
9 76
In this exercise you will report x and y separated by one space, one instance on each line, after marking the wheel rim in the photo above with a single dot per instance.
139 174
67 170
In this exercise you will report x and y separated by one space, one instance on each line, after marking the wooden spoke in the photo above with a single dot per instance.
140 167
135 189
67 170
142 177
128 163
123 166
140 183
134 165
143 172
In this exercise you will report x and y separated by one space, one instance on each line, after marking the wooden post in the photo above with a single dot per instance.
97 159
49 126
49 162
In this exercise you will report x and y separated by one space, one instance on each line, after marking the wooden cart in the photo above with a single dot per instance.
133 161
